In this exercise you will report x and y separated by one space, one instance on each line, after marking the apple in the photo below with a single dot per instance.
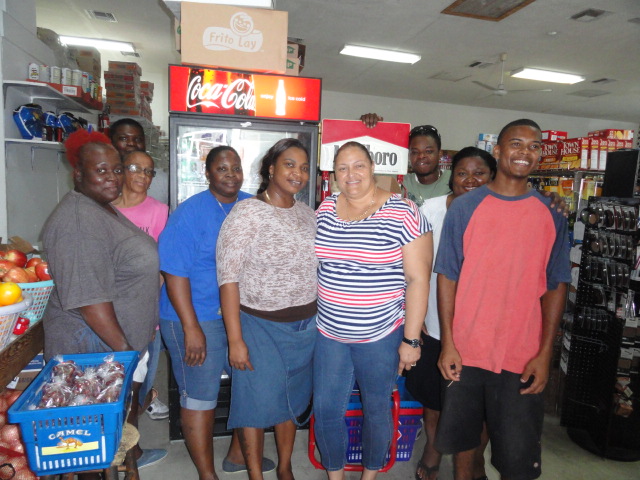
33 262
5 266
17 257
31 273
42 271
16 275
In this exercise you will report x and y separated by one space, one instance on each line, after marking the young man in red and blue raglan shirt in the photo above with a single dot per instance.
503 268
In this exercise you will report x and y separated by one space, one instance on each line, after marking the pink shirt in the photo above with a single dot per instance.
150 216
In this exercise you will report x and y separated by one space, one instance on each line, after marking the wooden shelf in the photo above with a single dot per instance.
19 353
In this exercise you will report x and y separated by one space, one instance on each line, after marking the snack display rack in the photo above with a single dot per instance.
600 401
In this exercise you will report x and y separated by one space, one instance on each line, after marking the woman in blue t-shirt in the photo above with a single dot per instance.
190 317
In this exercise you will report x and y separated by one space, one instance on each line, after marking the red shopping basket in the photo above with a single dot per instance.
353 419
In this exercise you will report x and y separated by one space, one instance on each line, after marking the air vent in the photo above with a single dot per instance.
479 64
588 15
589 93
485 10
130 54
604 81
104 16
449 77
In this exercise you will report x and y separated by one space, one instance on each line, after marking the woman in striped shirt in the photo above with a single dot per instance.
375 252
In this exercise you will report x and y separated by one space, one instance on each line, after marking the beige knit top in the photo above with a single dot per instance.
270 252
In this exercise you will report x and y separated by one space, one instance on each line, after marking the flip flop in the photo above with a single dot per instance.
230 467
425 469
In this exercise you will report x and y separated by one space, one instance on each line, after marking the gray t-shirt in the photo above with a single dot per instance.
97 257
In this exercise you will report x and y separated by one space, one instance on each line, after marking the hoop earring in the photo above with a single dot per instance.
270 176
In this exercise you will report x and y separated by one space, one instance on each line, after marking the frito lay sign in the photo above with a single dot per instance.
388 143
195 89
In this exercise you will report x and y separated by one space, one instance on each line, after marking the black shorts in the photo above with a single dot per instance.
514 421
424 381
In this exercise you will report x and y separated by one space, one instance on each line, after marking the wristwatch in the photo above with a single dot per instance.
415 343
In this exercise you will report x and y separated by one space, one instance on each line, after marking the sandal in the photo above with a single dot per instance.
425 469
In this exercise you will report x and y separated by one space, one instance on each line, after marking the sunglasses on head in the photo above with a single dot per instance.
423 130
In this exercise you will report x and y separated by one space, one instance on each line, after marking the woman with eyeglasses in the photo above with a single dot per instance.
150 216
143 210
427 179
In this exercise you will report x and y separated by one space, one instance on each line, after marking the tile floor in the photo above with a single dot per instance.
561 458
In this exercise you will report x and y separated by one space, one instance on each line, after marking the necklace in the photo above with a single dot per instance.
279 214
222 208
366 212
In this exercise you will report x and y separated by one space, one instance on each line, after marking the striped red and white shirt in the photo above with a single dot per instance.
361 283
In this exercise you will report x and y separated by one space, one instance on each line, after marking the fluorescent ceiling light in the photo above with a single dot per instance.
379 54
546 76
98 43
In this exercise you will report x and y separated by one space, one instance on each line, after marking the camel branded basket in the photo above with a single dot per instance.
40 293
8 317
72 439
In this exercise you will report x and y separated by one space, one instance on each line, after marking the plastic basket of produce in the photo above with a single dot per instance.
63 439
8 317
40 293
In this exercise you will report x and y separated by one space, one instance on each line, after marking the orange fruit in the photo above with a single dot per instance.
10 293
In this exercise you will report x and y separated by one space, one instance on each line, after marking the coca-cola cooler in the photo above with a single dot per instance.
248 111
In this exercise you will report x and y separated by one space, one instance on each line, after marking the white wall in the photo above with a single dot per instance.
458 125
31 182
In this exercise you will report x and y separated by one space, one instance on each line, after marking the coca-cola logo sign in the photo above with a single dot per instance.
239 94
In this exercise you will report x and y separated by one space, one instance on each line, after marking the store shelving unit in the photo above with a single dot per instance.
37 175
601 330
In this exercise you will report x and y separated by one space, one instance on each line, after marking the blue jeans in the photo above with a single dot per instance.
374 366
155 347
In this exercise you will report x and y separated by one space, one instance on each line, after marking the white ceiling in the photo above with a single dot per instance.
606 48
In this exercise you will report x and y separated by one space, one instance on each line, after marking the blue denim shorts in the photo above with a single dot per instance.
198 386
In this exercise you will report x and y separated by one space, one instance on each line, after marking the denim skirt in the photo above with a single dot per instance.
279 387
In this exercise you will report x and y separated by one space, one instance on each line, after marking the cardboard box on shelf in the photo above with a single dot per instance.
88 60
548 156
389 183
116 76
575 152
28 373
553 135
124 67
17 243
293 66
233 37
296 51
612 133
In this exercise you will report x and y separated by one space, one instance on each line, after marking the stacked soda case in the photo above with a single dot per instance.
125 92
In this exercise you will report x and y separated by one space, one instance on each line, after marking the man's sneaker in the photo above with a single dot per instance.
157 410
